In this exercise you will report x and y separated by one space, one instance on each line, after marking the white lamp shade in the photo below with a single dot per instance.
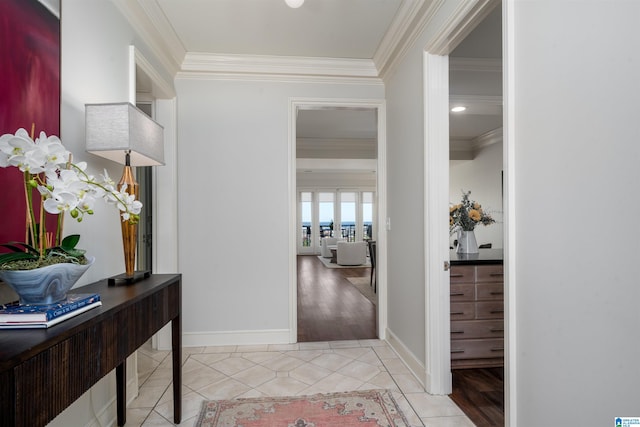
114 129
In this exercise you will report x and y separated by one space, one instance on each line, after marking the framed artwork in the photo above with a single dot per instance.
29 93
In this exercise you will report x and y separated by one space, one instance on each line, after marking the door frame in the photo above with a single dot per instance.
296 104
436 164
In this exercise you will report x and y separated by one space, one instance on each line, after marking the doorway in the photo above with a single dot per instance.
336 150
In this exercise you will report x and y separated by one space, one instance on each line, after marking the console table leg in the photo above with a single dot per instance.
176 352
121 393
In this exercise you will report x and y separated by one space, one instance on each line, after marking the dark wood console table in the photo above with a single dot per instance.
42 371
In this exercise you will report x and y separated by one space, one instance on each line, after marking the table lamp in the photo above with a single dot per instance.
124 134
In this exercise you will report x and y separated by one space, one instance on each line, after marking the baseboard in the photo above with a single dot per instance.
414 365
206 339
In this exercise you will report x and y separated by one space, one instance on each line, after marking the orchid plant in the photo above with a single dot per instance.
62 186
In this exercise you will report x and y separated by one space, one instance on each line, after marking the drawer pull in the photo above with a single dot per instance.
457 294
457 313
457 332
497 311
497 349
496 330
496 274
456 275
457 351
497 293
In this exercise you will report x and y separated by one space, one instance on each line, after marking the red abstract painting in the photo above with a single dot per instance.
29 94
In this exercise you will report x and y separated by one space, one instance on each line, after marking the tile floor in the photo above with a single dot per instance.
211 373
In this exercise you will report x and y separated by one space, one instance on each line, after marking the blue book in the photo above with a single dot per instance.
29 313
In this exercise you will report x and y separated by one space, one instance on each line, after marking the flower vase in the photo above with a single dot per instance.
467 243
45 285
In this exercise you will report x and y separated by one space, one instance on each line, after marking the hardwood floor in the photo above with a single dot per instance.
330 308
480 395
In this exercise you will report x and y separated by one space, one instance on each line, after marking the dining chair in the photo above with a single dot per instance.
372 257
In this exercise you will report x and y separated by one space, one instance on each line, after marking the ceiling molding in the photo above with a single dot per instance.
278 65
459 25
467 149
206 75
412 20
337 148
332 165
487 65
488 138
139 18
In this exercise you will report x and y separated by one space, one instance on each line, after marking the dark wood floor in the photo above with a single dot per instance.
480 395
330 308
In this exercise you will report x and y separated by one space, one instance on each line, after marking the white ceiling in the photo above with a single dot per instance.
351 30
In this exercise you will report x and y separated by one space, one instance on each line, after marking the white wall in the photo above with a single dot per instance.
95 63
576 184
483 177
406 192
234 204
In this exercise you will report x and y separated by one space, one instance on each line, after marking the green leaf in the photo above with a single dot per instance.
13 246
69 243
14 256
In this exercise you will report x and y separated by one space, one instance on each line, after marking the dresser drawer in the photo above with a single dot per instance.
489 310
462 274
489 273
463 310
477 349
462 292
490 291
468 329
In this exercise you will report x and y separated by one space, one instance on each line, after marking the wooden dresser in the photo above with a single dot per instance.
477 310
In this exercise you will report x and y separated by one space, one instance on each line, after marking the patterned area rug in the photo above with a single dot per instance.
369 408
363 285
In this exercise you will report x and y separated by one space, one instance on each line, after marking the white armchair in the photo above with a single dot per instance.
325 243
352 253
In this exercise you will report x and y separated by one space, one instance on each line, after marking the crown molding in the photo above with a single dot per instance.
410 21
460 23
139 16
257 77
467 149
486 139
487 65
278 65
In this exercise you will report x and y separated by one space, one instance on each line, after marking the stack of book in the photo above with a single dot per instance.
15 315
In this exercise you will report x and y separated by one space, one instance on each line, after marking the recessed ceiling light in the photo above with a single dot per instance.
458 109
294 4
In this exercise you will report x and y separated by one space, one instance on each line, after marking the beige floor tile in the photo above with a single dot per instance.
395 366
427 405
225 389
221 349
228 372
136 416
255 376
320 345
261 357
360 370
191 405
344 344
331 361
309 374
282 386
232 365
147 397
